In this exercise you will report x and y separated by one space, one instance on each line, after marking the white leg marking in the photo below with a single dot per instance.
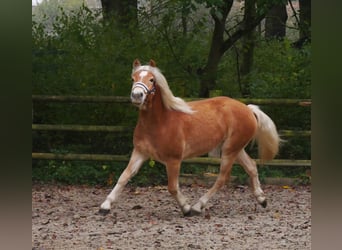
250 167
180 198
132 168
226 165
173 168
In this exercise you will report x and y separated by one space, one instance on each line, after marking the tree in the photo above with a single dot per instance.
47 10
208 76
275 24
219 45
123 12
304 22
247 49
305 19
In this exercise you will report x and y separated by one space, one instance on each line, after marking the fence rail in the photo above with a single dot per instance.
125 158
121 129
102 128
81 128
124 99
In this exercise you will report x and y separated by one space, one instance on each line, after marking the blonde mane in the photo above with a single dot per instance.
169 100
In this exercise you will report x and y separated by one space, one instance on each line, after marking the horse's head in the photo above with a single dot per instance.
143 84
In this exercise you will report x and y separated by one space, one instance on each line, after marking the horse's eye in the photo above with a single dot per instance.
152 80
132 79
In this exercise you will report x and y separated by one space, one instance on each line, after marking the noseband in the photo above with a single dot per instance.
144 87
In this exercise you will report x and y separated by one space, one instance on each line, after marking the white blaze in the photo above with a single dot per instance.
142 75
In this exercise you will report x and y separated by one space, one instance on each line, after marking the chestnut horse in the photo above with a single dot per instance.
170 130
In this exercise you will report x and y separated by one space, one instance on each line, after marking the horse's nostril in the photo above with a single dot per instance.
137 95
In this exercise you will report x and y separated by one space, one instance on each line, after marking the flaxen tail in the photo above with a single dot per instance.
266 136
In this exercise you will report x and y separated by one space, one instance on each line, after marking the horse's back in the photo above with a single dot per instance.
214 101
221 105
217 119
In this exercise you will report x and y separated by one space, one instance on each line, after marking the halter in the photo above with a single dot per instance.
144 87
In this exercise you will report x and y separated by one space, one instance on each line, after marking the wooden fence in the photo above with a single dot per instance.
119 129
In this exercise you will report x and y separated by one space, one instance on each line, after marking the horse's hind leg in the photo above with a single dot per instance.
250 167
225 170
172 168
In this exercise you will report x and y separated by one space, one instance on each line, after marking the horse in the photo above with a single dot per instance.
169 130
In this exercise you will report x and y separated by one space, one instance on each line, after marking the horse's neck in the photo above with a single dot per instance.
155 112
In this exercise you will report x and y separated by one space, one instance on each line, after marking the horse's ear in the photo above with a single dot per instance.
136 63
153 63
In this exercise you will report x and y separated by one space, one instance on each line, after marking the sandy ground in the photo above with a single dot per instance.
66 217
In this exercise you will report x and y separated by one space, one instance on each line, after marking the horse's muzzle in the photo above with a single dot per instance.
137 98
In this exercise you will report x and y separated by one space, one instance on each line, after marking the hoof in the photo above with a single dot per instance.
264 203
195 212
191 213
187 214
186 209
103 212
196 209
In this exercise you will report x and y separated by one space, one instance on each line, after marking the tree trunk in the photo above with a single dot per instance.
123 12
185 15
305 19
304 23
209 74
247 49
275 24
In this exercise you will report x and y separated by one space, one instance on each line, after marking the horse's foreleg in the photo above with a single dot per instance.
250 167
172 169
225 169
132 168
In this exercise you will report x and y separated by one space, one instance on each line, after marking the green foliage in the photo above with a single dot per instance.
304 178
68 172
264 5
272 171
47 11
69 58
94 173
281 71
150 175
